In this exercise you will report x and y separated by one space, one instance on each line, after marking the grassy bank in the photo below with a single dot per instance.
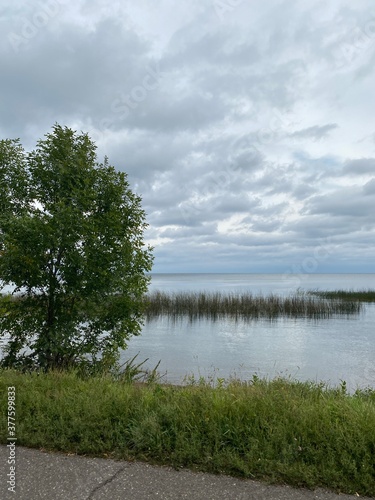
282 431
245 305
350 295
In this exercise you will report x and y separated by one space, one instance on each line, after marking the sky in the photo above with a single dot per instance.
246 126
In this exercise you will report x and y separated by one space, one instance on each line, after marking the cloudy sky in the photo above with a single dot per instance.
246 126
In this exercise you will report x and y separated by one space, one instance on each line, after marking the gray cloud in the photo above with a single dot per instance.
359 166
316 133
353 202
243 134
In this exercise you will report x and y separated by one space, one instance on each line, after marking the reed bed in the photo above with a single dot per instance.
214 305
351 295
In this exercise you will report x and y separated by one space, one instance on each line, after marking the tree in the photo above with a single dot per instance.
72 249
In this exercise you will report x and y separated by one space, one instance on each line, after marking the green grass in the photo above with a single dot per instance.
246 305
284 431
350 295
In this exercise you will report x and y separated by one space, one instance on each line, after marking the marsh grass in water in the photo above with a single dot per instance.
300 433
246 305
350 295
213 305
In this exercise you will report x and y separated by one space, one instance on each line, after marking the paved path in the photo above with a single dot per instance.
56 476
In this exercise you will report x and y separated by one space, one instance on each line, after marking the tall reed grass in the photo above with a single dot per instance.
245 305
351 295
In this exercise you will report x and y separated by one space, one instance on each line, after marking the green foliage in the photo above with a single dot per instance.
132 371
71 247
300 433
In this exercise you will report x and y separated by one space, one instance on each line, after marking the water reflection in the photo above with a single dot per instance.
334 349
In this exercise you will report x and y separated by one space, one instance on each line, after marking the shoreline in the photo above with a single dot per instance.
302 434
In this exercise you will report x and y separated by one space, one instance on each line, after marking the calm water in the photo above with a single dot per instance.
331 349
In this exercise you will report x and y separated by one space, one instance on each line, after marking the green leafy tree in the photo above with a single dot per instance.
72 251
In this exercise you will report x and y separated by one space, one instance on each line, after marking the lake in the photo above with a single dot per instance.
330 349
